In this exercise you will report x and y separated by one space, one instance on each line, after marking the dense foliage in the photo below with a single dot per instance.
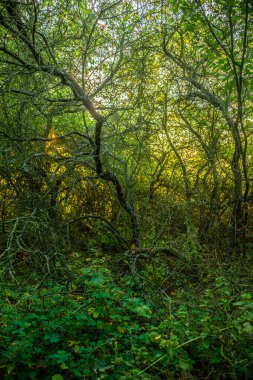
126 189
93 328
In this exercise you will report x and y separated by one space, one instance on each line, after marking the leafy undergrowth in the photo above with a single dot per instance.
93 329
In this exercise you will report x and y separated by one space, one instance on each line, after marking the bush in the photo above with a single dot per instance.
91 329
94 329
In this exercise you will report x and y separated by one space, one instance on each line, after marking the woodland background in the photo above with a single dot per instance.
126 194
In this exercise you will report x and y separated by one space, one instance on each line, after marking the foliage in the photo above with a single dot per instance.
91 328
121 111
126 136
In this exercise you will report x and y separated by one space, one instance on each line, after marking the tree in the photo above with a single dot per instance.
94 44
122 115
214 68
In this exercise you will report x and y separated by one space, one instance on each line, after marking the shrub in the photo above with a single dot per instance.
94 329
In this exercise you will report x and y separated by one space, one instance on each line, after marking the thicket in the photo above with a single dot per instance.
126 189
96 326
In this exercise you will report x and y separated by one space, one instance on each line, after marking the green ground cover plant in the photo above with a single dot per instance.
93 328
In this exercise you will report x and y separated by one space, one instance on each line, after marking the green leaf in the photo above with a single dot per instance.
246 296
53 338
184 363
239 303
64 366
10 368
57 377
247 327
